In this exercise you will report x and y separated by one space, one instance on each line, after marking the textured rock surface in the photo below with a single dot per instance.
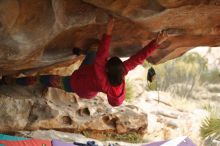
29 109
40 32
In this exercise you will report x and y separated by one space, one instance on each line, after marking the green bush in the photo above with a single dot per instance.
210 76
211 125
129 94
182 75
129 137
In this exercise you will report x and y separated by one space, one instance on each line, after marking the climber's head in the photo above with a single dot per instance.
115 71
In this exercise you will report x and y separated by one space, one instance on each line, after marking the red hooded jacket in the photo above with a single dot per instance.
91 79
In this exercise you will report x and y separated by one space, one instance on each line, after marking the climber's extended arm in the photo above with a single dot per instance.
103 49
144 53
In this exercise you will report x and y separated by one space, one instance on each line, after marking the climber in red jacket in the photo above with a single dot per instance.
98 73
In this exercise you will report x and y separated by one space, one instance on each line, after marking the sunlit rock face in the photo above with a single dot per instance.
36 33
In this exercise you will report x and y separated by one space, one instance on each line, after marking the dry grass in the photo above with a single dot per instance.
131 137
185 104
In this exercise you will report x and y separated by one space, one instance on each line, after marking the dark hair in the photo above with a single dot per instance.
115 71
150 74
